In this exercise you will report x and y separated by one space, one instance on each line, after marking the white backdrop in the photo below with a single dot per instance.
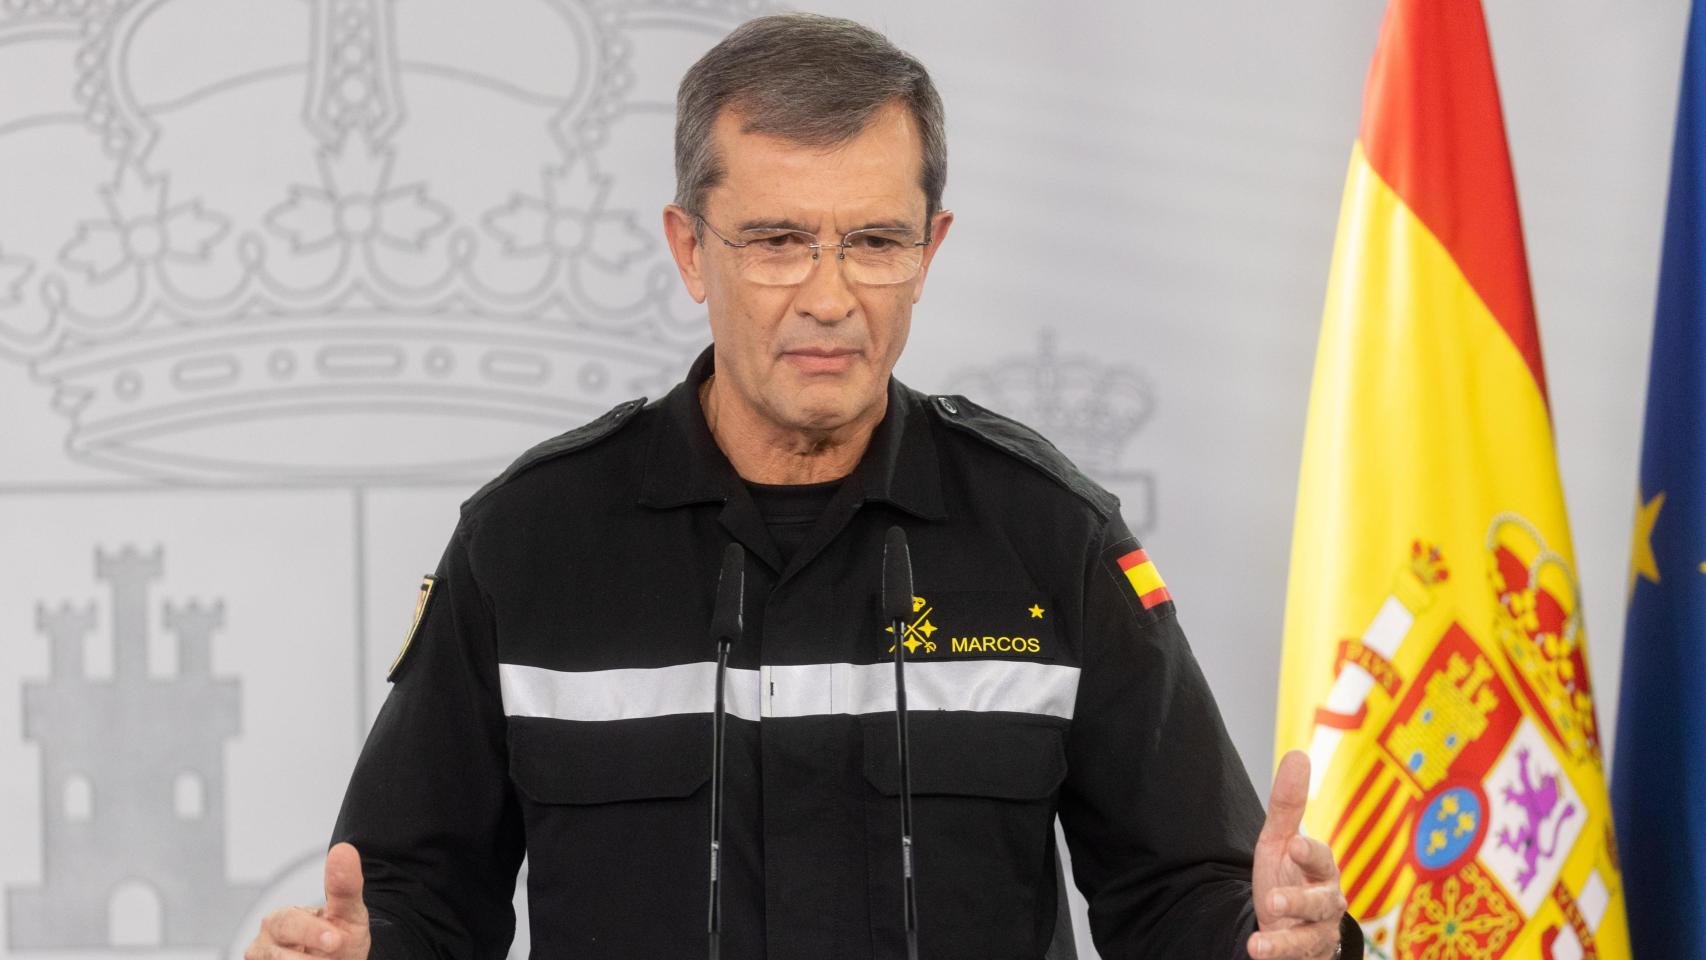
281 281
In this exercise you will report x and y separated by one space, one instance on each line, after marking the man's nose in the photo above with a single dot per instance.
825 295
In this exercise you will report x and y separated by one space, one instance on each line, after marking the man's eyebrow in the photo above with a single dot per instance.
773 223
905 226
783 223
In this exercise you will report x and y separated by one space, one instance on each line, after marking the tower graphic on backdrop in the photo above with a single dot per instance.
133 776
336 253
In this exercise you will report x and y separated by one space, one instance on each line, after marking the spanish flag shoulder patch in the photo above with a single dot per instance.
1141 575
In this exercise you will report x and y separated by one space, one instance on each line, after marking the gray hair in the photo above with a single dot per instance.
807 78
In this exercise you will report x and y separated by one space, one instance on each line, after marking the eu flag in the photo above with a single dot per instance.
1659 770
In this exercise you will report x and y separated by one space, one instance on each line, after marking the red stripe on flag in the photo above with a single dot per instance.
1391 879
1362 833
1432 128
1134 558
1153 597
1355 800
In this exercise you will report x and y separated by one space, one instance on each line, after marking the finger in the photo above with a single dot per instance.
1290 793
296 927
343 886
1308 904
272 951
1313 857
1295 943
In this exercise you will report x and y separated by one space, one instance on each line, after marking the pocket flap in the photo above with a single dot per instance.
574 761
968 753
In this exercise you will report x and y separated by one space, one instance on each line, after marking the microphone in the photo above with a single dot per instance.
897 610
726 628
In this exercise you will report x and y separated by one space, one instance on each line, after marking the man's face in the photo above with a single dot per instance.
816 356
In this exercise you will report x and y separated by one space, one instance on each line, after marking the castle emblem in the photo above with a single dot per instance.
1455 711
133 778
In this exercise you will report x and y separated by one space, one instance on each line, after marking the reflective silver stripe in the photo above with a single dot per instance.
808 690
625 694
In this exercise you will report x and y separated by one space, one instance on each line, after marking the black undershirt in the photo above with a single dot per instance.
790 509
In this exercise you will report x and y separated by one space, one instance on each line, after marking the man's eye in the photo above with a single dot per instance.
775 241
876 242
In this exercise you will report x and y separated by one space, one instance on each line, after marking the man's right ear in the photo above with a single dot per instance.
680 229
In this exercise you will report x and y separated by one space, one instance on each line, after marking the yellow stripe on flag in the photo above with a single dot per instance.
1145 578
1461 790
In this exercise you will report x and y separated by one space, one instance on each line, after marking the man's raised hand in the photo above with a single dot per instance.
338 929
1298 900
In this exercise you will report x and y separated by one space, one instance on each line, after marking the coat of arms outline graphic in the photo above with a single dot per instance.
250 236
1457 821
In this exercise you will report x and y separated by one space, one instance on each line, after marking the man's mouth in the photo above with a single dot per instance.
821 359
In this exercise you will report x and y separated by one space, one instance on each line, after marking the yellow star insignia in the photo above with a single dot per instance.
1642 563
1036 612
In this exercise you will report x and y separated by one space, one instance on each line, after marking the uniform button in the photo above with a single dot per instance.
947 405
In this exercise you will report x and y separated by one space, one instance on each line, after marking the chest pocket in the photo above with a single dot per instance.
593 762
983 801
613 810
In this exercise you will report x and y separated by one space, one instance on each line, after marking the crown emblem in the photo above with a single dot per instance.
1537 621
1089 409
445 238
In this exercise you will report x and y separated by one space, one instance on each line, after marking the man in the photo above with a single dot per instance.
553 698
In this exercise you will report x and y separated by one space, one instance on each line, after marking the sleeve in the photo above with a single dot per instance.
429 806
1157 808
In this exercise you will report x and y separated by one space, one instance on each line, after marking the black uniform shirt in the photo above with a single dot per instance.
555 701
790 510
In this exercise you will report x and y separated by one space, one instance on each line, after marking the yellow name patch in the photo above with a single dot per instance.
947 624
995 645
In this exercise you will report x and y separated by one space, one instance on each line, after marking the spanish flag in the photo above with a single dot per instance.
1435 662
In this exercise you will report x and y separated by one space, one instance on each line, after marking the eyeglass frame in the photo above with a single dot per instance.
816 245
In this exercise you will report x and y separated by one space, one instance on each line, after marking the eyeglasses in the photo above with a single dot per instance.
875 256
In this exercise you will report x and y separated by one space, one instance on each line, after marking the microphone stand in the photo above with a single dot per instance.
726 628
897 607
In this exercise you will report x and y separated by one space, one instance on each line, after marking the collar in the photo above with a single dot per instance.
684 464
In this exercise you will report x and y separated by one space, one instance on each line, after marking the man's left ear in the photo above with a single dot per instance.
939 225
679 229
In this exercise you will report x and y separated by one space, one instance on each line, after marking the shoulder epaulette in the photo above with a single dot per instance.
1024 444
579 438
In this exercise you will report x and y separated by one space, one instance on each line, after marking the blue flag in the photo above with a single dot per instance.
1658 788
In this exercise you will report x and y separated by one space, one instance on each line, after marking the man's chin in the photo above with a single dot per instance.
820 414
817 420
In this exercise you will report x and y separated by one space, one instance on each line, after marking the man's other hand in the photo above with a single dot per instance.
338 929
1298 900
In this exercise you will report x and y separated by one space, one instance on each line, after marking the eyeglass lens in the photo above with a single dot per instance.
785 258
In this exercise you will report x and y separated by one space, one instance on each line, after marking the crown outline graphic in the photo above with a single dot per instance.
358 280
1088 408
